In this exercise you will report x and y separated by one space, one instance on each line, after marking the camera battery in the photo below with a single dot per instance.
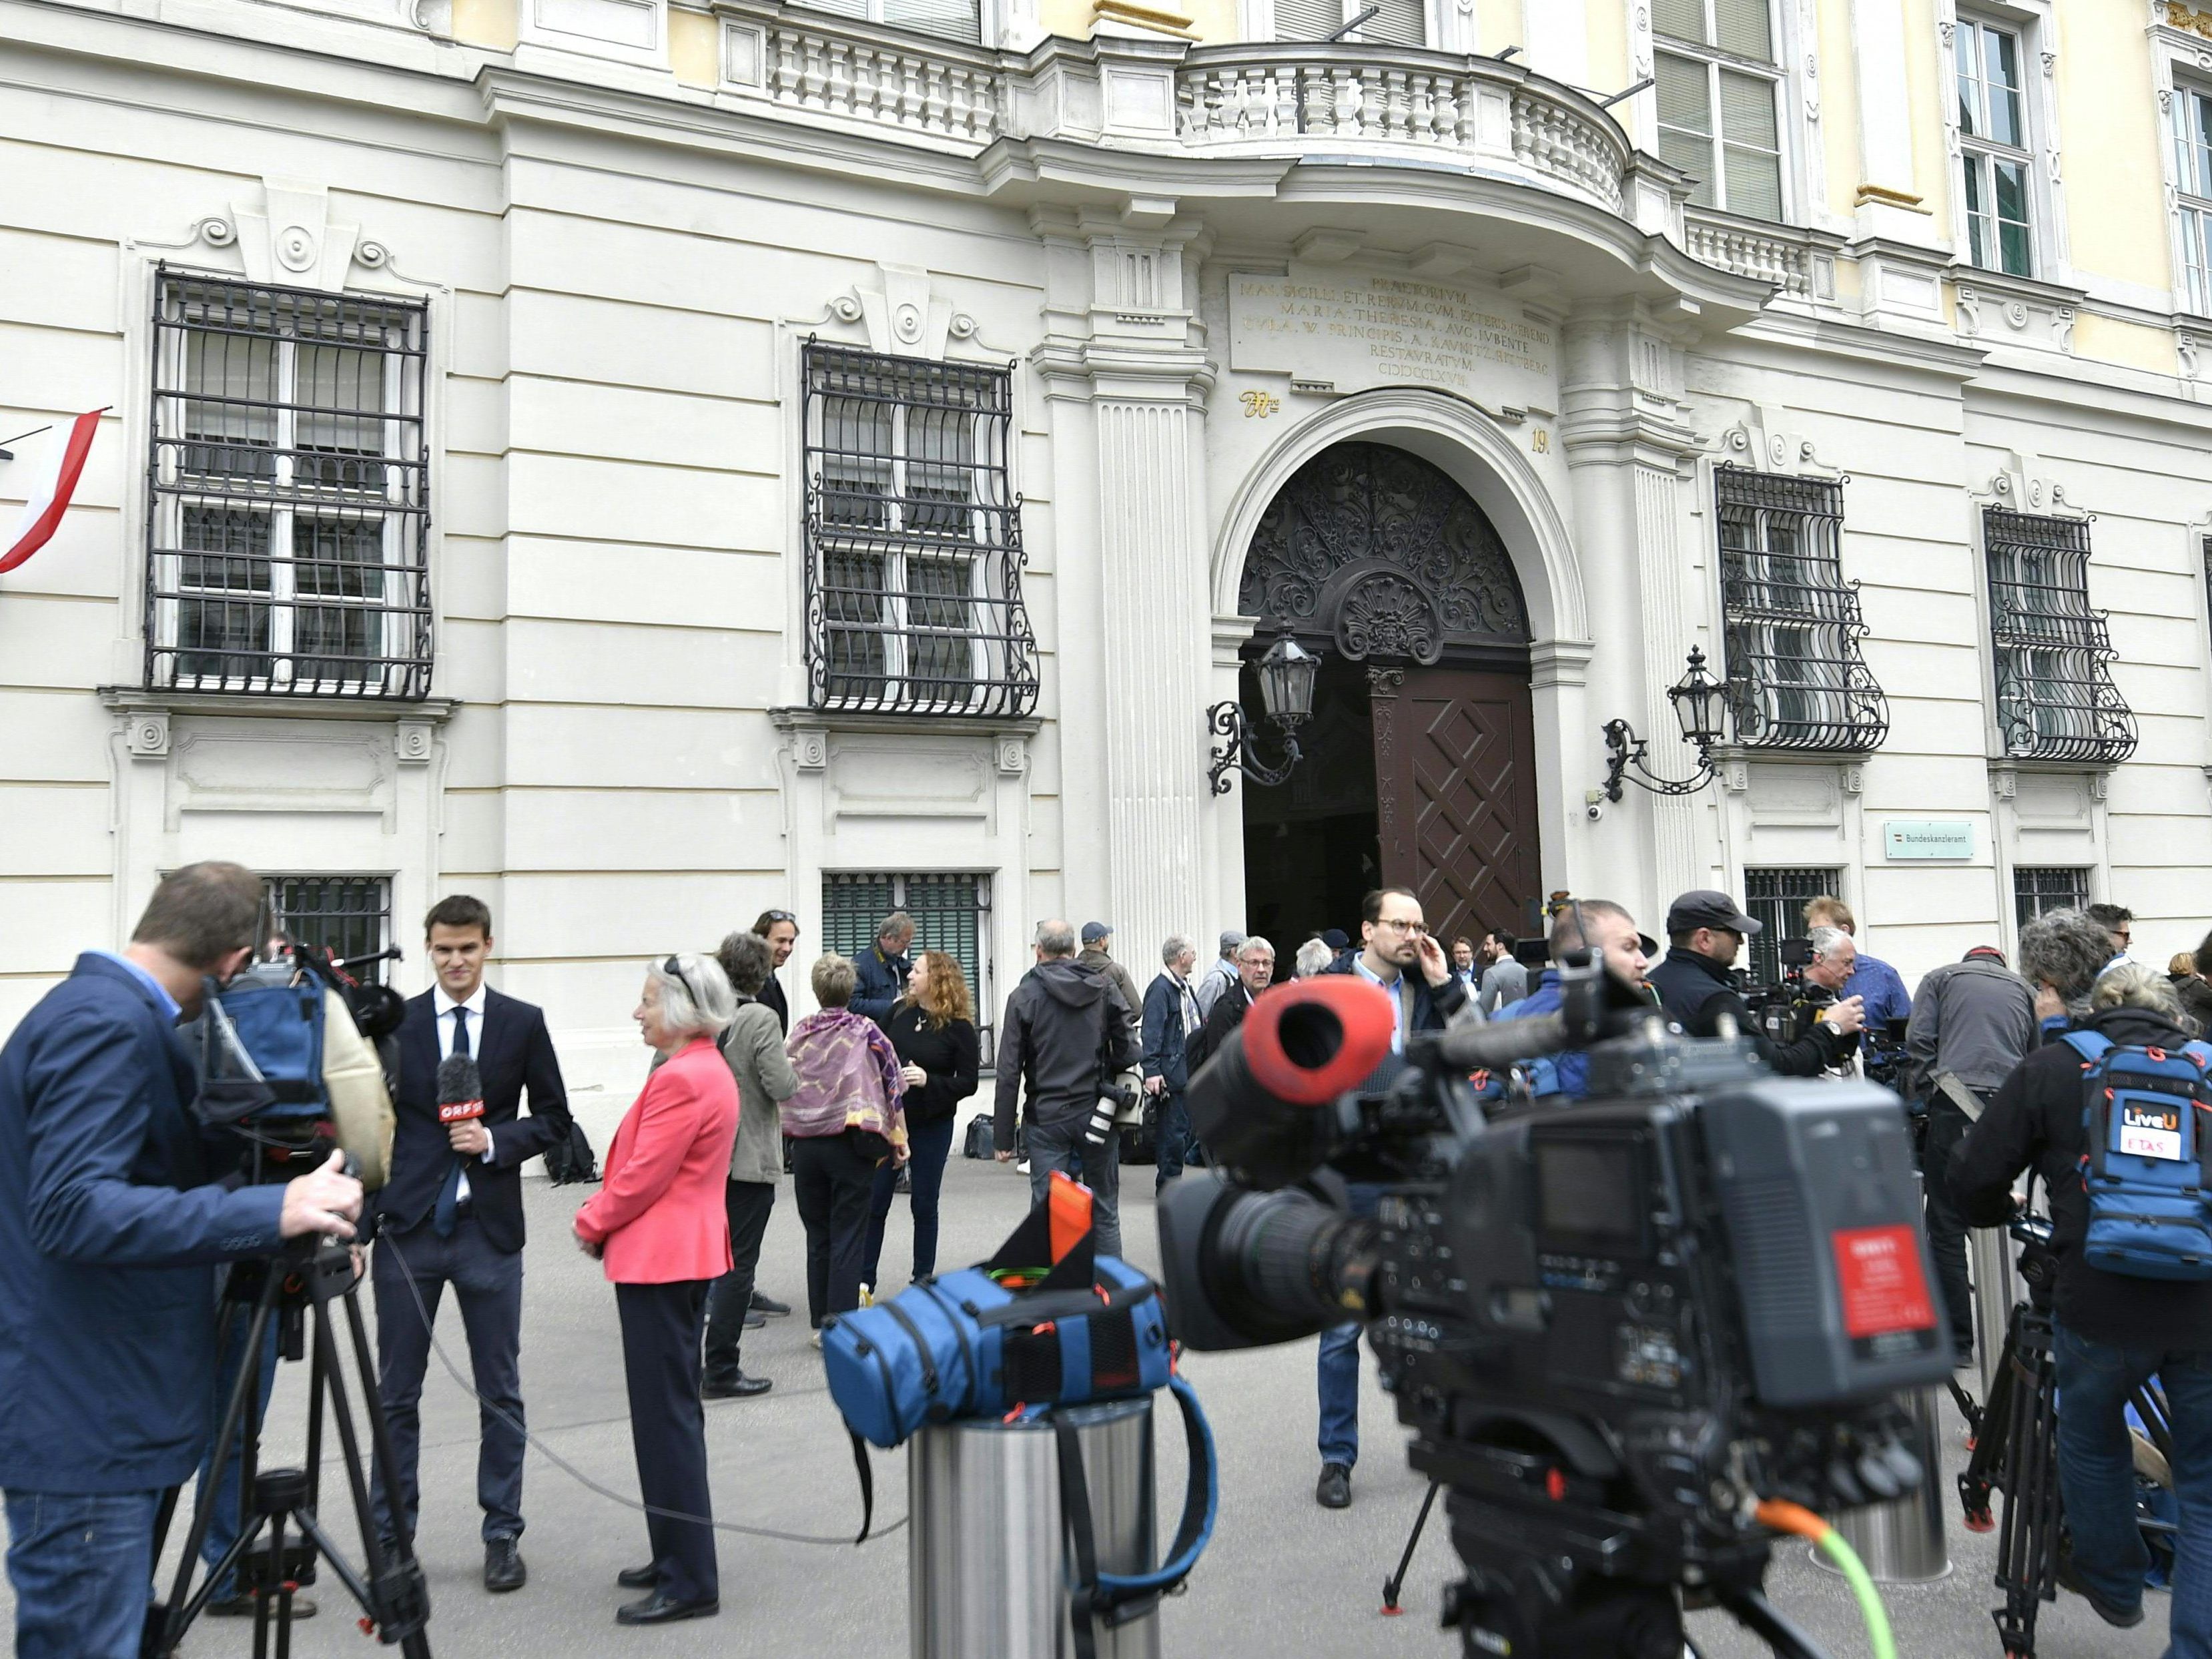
1822 1208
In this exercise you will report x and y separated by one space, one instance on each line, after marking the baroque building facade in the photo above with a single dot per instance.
650 461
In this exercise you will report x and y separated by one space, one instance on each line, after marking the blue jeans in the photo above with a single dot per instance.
928 1145
1172 1145
2096 1476
222 1516
81 1564
1336 1368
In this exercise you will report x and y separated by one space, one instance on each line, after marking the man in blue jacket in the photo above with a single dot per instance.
113 1210
883 968
1599 925
1170 1019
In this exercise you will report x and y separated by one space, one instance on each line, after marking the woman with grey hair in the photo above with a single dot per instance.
1314 956
845 1118
2111 1331
660 1224
2061 954
753 1047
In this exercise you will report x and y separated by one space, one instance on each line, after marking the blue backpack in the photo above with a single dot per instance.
967 1346
2143 1168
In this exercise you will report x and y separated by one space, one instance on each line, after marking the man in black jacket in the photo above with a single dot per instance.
1065 1035
1705 932
1170 1020
1255 971
781 929
2112 1331
452 1214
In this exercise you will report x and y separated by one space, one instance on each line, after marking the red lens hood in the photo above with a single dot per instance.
1310 1040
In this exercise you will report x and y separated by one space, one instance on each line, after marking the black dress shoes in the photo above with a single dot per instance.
660 1608
644 1577
755 1321
739 1386
769 1305
503 1568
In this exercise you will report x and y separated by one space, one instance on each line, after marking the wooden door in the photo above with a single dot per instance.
1455 795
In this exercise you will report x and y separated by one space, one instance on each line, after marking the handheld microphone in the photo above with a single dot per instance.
460 1090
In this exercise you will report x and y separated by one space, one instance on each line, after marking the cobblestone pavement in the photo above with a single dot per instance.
1281 1576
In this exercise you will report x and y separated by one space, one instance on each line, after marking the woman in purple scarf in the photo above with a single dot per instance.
845 1120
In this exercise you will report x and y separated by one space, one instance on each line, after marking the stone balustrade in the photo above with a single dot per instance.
818 64
1778 257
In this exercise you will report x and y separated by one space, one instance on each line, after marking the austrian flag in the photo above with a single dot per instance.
50 491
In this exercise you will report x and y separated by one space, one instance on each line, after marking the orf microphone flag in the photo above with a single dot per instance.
50 493
460 1090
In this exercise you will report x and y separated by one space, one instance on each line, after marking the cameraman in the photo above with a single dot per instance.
113 1210
1835 956
1705 932
2111 1332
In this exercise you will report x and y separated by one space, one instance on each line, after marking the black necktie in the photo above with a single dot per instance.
460 1031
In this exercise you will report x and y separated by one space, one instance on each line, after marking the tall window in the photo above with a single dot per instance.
1720 87
2035 891
951 913
347 915
913 538
1791 624
2056 699
1776 900
1996 160
288 492
1395 22
2192 150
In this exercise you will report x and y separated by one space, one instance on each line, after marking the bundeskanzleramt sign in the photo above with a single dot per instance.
1927 838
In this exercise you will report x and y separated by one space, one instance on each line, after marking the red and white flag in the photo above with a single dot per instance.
50 491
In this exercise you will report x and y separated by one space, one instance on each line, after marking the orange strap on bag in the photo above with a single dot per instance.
1068 1208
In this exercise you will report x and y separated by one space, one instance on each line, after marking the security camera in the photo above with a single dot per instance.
1594 805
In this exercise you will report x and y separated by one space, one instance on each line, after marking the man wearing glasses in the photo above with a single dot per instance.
1705 932
2119 921
1398 955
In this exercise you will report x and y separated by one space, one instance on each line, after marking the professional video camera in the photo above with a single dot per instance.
1785 1009
1631 1336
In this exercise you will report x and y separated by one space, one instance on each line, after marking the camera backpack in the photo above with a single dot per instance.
2144 1117
259 1052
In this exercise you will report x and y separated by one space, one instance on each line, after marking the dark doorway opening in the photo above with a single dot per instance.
1312 850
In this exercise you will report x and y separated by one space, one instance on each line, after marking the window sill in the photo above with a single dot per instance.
139 700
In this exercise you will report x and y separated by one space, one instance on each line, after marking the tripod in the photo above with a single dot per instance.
2015 1451
310 1278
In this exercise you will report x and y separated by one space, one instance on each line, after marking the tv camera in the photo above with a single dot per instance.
1628 1335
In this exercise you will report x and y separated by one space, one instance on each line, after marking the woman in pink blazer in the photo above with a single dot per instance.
661 1224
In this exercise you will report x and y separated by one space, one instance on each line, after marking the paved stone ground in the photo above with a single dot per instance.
1281 1574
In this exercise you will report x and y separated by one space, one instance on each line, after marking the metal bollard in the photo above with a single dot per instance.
986 1555
1990 1256
1902 1542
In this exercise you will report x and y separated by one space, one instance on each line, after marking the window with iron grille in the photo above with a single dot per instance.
2056 699
2035 891
288 492
913 538
1790 622
1720 87
951 913
1996 160
1776 900
348 915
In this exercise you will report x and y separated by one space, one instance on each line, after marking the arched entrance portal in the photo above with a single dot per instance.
1419 766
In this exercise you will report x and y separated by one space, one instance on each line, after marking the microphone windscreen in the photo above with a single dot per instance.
458 1080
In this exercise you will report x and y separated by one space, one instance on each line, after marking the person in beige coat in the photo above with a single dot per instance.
753 1046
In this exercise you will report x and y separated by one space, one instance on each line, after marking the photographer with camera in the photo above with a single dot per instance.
1834 958
1973 1022
1705 933
2113 1329
114 1209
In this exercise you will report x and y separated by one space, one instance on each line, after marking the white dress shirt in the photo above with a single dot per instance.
445 1006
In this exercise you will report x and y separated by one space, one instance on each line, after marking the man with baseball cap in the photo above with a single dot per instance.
1705 932
1097 954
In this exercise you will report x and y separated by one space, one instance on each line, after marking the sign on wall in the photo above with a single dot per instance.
1927 838
1355 331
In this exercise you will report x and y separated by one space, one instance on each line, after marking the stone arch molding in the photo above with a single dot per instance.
1455 437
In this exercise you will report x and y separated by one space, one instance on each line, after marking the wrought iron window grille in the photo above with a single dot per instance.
913 538
349 917
2055 696
1776 898
288 492
1796 679
2038 889
951 913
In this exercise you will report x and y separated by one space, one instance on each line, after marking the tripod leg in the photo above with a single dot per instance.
408 1618
1396 1581
245 1396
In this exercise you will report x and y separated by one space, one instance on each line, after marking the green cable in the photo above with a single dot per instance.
1862 1583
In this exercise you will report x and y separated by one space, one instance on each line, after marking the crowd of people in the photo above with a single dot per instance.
113 1197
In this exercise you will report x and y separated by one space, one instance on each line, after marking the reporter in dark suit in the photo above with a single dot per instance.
452 1214
114 1208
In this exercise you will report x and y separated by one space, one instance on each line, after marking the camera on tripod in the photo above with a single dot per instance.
1616 1329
